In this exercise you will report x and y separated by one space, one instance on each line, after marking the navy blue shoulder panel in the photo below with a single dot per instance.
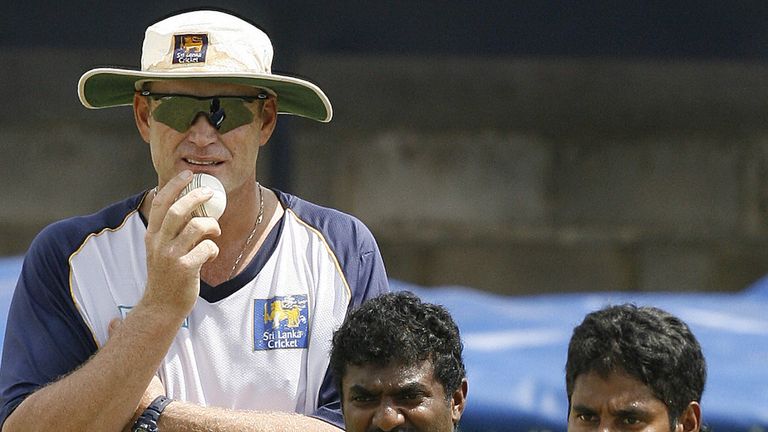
352 243
360 260
46 336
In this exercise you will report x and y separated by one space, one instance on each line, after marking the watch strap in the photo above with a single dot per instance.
147 421
158 405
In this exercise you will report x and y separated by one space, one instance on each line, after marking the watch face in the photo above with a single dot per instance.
144 426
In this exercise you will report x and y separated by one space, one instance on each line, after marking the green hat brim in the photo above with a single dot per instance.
109 87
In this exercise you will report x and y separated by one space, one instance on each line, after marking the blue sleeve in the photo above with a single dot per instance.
329 402
45 336
367 279
358 254
371 278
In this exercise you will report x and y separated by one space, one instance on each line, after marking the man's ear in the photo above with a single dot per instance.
268 120
141 115
459 401
690 419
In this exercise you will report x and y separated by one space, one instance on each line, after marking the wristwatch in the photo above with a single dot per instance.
147 421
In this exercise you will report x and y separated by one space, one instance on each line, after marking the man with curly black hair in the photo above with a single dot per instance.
634 368
398 366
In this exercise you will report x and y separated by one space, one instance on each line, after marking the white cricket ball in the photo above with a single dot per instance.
215 206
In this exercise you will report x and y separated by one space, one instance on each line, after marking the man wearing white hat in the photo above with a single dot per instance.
142 317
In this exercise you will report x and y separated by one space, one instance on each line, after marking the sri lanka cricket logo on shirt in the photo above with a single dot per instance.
280 322
189 48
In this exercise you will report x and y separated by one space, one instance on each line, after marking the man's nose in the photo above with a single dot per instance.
202 132
605 427
388 417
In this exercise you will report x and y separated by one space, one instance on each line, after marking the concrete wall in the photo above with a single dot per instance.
509 175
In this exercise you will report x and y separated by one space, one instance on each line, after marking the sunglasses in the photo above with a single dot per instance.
223 112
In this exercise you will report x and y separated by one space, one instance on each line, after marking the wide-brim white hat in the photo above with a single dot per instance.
209 45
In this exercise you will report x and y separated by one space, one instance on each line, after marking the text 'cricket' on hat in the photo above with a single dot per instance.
209 45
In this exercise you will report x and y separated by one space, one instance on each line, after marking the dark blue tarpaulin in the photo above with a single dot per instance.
515 350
